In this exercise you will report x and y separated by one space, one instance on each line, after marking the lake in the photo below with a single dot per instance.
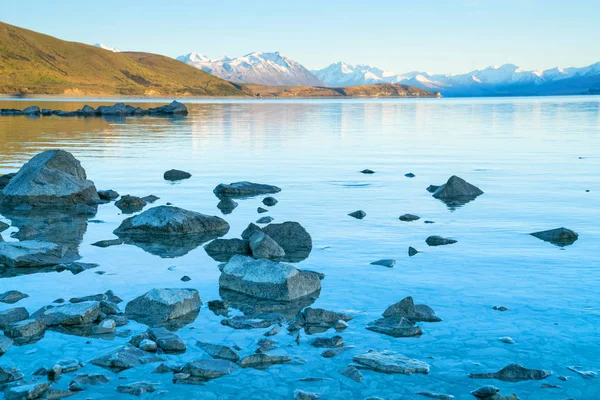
536 159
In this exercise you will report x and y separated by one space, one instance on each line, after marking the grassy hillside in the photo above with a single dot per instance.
34 63
379 90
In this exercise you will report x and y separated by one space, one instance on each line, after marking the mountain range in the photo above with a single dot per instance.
263 68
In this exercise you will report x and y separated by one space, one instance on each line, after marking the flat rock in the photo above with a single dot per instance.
70 314
12 296
137 388
160 305
330 353
75 267
388 262
108 243
264 220
391 363
9 374
223 249
438 396
257 322
409 217
559 236
125 357
292 237
352 373
219 351
262 361
33 254
266 279
176 175
333 342
26 232
12 315
167 341
26 392
262 246
108 195
367 171
359 214
208 369
395 327
583 373
244 189
514 373
53 178
457 190
130 204
439 241
408 309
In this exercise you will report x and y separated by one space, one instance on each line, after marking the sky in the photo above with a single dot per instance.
451 36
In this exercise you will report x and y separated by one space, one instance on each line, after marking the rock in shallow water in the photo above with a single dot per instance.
291 236
107 195
176 175
5 344
514 373
485 391
12 296
395 327
125 357
457 190
26 392
12 315
130 204
137 388
360 214
223 249
318 319
10 374
262 361
219 351
438 396
388 262
263 246
70 314
408 309
244 189
160 305
559 237
265 279
439 241
409 217
205 370
391 363
33 254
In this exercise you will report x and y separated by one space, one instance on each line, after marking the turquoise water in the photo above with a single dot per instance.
535 159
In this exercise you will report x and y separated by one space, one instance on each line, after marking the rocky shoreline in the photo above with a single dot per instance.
117 110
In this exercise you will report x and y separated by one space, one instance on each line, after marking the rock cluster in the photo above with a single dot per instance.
116 110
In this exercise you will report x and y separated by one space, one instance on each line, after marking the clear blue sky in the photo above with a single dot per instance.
433 36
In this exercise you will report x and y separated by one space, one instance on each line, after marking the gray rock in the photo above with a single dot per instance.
388 262
75 267
352 373
26 232
227 205
67 366
167 341
107 195
360 214
391 363
32 111
261 210
507 340
27 392
257 322
559 236
485 391
160 305
457 190
439 241
412 251
205 370
150 199
319 319
12 296
82 381
5 344
119 109
130 204
302 395
12 315
263 246
57 394
107 296
335 352
4 179
292 237
514 373
175 108
219 351
148 345
409 217
408 309
269 201
333 342
438 396
10 374
26 331
367 171
125 357
264 220
82 313
176 175
105 326
223 249
250 230
137 388
244 189
409 175
53 178
262 361
395 327
108 243
266 279
32 254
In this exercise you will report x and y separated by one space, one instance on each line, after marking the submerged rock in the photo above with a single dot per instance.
12 296
439 241
161 305
336 351
292 237
457 190
244 189
388 262
53 178
485 391
33 254
560 236
395 327
219 351
514 373
130 204
412 251
319 320
266 279
438 396
82 381
263 246
137 388
262 361
391 363
302 395
176 175
5 344
360 214
227 205
107 195
409 217
9 374
269 201
223 249
26 392
125 357
408 309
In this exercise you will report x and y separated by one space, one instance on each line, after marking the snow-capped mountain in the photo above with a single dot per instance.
264 68
105 47
507 79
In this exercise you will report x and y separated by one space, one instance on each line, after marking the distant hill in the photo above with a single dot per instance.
505 80
378 90
259 67
34 63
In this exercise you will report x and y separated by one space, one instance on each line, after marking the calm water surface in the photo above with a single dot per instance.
534 158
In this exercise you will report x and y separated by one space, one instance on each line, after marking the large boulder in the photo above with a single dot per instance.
70 314
263 246
33 254
293 239
266 279
223 249
5 179
53 178
457 190
559 236
161 305
244 189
